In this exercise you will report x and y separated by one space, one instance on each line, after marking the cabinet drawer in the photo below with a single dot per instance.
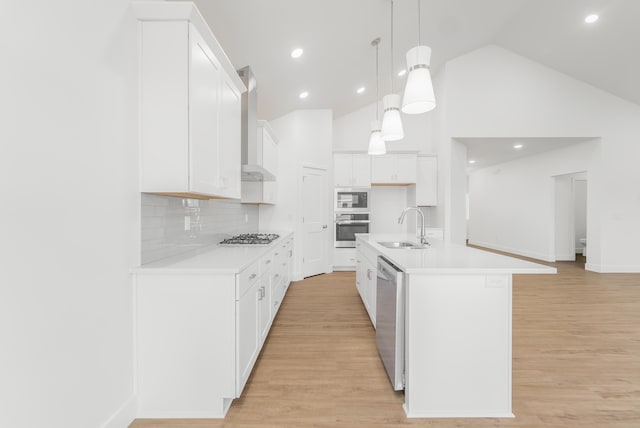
266 262
367 253
247 277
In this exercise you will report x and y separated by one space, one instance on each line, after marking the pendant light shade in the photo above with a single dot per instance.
391 123
376 143
418 94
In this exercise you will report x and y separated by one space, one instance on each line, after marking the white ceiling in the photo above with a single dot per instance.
336 36
492 151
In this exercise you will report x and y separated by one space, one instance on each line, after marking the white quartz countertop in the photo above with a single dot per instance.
446 258
212 259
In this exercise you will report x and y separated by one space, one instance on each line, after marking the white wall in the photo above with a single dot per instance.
70 213
512 205
387 203
165 234
492 92
304 137
351 132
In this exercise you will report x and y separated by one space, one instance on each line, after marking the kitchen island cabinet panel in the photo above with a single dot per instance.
457 322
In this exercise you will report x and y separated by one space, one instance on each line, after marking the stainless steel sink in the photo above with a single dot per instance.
401 245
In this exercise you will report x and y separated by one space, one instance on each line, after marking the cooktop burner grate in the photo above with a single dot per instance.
251 239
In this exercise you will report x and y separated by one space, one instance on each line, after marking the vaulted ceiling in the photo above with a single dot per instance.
338 58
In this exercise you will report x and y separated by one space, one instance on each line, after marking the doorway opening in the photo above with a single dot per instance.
570 216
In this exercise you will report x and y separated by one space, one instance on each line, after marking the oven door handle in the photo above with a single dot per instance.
352 221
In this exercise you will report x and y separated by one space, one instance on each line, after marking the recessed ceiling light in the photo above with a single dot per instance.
303 95
472 161
297 53
361 89
402 73
590 19
518 146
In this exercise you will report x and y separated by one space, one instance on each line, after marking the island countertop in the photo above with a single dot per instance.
443 257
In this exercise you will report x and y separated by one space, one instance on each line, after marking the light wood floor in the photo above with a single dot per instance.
576 359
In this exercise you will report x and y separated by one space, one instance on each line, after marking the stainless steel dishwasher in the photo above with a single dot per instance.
390 320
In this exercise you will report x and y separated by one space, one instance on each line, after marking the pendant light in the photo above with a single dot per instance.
418 93
376 143
391 122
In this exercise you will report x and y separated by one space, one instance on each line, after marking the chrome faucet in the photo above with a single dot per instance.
423 238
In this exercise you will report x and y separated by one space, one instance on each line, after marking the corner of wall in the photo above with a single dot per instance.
124 415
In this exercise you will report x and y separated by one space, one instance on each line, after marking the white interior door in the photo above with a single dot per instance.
314 221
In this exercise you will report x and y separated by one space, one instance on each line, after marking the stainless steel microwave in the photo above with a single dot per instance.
351 199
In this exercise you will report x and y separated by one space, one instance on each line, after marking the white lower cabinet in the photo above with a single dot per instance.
248 311
199 333
344 259
366 277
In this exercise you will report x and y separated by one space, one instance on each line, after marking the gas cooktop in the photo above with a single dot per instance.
251 239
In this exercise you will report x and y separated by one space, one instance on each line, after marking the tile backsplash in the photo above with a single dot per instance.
171 225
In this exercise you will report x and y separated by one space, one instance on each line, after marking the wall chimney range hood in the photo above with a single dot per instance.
252 169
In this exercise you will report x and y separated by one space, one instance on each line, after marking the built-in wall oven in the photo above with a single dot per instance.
351 199
347 225
351 206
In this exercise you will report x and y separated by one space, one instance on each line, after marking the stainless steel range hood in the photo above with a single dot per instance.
252 170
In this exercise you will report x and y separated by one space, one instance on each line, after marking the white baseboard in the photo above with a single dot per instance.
344 269
524 253
568 257
123 417
612 268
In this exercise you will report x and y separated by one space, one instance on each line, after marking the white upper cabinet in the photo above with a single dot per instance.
265 155
229 148
190 106
267 148
351 170
427 183
393 169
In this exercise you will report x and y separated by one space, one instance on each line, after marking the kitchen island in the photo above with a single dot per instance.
457 323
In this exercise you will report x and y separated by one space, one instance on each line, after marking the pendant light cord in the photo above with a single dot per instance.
392 46
419 38
377 79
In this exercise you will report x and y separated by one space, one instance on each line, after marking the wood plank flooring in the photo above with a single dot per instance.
576 359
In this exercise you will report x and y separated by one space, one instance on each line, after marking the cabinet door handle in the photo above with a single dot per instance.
253 275
267 262
369 274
